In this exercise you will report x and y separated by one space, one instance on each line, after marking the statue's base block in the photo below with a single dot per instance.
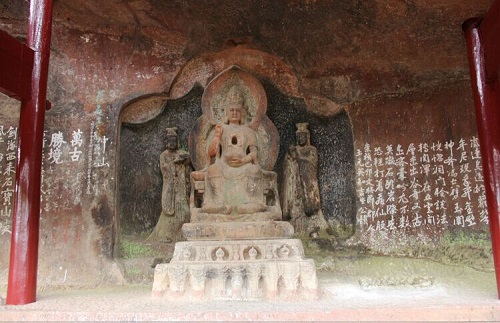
237 270
237 230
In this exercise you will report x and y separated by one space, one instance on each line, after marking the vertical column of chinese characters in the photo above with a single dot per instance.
8 173
390 187
75 154
401 189
368 186
96 153
478 190
76 145
415 186
55 157
90 159
425 172
465 175
441 191
379 176
454 186
43 180
360 178
5 211
98 150
55 148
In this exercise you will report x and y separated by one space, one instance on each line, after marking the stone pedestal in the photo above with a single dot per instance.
237 230
237 270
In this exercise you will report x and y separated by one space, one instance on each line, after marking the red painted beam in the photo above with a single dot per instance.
481 49
16 65
26 213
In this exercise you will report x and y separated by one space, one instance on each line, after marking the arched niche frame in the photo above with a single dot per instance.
205 68
288 105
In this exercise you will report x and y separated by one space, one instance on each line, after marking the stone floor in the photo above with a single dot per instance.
368 289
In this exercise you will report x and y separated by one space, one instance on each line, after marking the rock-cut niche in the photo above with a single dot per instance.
140 179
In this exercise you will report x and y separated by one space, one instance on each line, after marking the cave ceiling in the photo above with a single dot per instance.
381 45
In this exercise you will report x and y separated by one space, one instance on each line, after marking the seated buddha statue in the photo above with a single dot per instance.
234 147
235 178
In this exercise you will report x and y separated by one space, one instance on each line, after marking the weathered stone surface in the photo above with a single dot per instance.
427 163
239 250
366 54
237 270
237 230
144 109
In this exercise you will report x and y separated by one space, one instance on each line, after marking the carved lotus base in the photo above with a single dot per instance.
237 270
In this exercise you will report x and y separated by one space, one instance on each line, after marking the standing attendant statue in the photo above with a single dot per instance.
175 169
300 189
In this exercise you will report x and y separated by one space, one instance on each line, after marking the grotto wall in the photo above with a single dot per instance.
394 73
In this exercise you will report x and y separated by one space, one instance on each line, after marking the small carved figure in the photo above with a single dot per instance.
175 168
300 190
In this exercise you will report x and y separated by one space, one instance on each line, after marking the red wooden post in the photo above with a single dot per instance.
26 216
483 49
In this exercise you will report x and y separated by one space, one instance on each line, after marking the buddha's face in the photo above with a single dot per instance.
171 142
301 138
234 112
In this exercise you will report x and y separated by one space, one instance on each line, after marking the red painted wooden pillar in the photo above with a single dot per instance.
483 47
26 214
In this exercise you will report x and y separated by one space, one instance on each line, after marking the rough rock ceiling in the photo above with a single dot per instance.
304 32
409 43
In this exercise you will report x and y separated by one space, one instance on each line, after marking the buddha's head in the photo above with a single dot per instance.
234 106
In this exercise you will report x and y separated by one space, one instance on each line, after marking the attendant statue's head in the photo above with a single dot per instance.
302 134
234 106
171 139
